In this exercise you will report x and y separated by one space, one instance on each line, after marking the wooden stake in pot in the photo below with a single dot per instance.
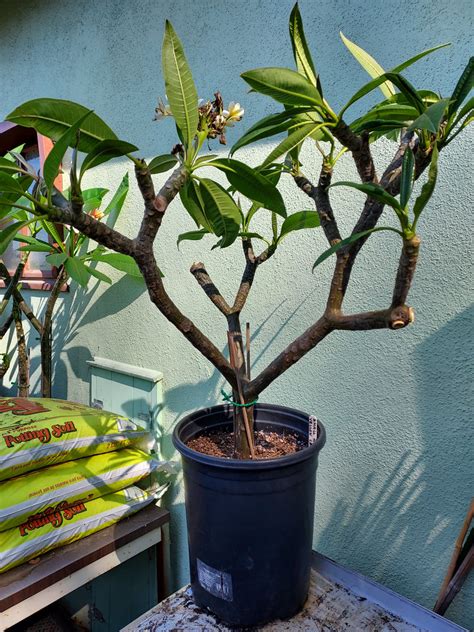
232 354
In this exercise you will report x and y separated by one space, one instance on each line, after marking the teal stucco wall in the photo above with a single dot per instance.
395 478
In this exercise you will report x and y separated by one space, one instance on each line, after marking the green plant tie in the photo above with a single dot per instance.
228 398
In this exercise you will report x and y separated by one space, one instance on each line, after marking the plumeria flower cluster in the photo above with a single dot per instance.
213 117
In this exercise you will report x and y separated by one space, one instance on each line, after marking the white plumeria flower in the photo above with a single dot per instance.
162 110
234 113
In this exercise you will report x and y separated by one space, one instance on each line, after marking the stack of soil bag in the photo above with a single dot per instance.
66 471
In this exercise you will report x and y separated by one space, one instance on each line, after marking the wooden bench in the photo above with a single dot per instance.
28 588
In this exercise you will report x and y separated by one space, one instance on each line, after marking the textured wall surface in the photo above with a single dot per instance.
395 478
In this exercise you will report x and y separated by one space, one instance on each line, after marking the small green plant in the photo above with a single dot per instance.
67 250
420 121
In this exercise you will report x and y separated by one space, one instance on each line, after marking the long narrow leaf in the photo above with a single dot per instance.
301 53
120 262
428 187
463 87
114 207
283 85
350 240
406 180
374 191
368 87
299 221
431 117
252 184
77 271
222 211
192 202
98 275
368 63
104 151
179 83
163 163
192 235
53 117
294 139
276 124
52 163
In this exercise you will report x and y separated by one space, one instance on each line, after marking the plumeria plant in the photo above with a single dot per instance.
421 123
67 250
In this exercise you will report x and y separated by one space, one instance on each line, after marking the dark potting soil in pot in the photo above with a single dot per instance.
268 444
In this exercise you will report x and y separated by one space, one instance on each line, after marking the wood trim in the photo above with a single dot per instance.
26 580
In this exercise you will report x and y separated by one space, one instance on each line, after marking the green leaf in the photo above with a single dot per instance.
283 85
463 111
299 221
57 259
408 90
163 163
428 187
180 88
35 248
374 191
8 166
463 87
104 151
52 231
77 271
9 233
95 193
222 211
98 275
294 139
192 235
252 184
349 240
53 117
191 198
406 180
375 83
431 117
52 164
8 184
368 63
120 262
114 207
301 53
269 126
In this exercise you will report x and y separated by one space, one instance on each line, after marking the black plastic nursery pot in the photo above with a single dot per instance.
250 522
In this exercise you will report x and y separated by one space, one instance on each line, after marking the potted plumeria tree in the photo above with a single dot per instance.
249 468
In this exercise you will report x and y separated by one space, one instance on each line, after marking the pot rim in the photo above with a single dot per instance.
247 464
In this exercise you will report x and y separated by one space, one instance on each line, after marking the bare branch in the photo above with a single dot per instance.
202 277
320 196
392 318
360 148
156 205
146 261
406 270
248 276
289 356
98 231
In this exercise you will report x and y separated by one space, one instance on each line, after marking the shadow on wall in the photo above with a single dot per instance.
81 309
421 505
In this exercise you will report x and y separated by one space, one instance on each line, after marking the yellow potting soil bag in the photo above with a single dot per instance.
35 433
65 523
86 478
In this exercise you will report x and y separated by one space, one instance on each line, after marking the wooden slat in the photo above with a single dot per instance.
26 580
